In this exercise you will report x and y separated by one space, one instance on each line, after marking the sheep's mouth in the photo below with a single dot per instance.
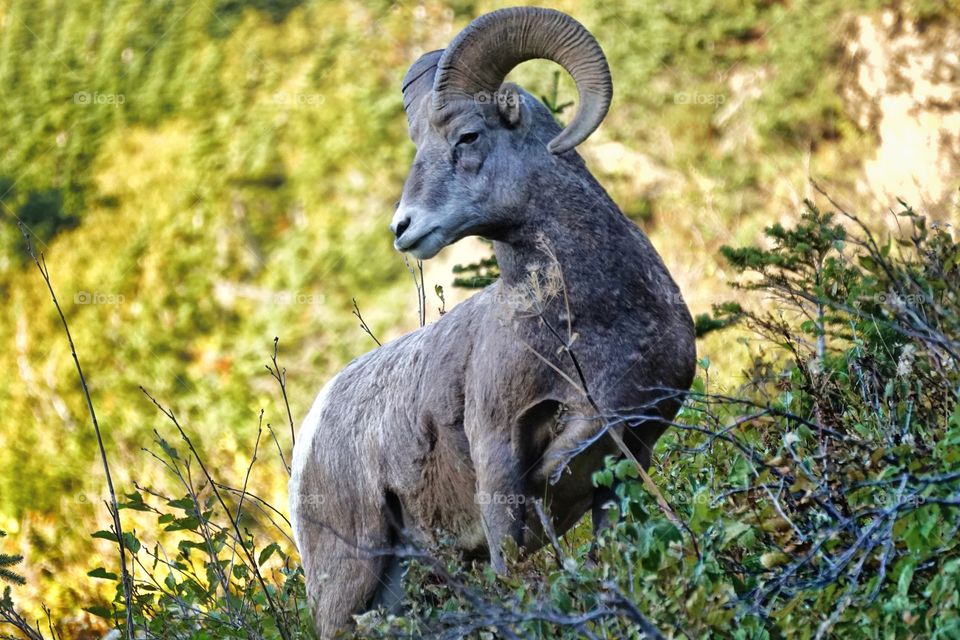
402 244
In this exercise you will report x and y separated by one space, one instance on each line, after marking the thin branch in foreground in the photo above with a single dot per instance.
246 482
283 460
280 375
11 617
418 283
281 627
363 323
113 506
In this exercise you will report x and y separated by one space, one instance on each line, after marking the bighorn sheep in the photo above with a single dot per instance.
455 426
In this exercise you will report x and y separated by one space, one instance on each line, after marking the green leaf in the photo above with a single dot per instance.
135 503
104 535
183 524
625 469
268 551
99 611
733 529
603 478
906 576
185 503
102 574
130 542
868 263
169 450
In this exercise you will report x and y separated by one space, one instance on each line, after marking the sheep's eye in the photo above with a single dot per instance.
468 138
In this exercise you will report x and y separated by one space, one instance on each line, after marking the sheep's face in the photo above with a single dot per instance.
471 172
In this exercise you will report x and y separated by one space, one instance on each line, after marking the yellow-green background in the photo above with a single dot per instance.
242 191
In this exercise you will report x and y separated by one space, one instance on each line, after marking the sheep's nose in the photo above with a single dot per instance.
400 226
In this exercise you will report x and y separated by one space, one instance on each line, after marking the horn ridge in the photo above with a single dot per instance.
481 56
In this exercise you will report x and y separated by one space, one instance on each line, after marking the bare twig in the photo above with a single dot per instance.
363 323
243 490
280 375
420 287
283 459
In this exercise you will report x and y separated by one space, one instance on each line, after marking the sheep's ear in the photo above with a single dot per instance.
508 104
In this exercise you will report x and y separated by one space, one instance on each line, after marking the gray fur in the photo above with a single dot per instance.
418 433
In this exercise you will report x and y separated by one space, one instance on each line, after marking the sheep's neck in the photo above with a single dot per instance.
592 247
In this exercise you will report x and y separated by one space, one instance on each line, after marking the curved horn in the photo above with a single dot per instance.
482 55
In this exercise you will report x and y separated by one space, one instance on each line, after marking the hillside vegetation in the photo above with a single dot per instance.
203 177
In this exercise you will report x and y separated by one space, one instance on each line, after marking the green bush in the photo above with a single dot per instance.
224 576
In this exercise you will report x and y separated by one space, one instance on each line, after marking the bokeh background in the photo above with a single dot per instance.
205 175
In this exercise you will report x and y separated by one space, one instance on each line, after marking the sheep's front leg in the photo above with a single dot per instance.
499 494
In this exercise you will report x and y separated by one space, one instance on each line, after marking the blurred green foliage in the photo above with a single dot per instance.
203 177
